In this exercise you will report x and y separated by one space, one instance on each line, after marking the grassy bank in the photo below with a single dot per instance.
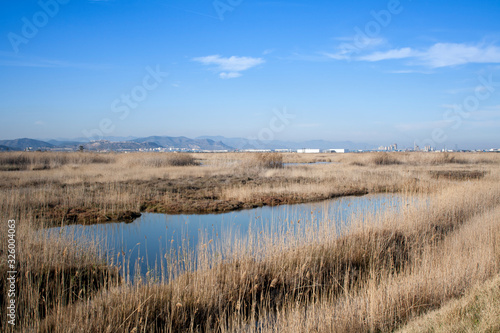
387 271
477 311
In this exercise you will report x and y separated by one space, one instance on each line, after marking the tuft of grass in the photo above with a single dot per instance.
384 159
263 161
270 160
166 160
447 158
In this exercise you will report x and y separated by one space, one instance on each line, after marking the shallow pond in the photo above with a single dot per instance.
145 241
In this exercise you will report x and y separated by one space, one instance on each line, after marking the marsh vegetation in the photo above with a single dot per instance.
388 270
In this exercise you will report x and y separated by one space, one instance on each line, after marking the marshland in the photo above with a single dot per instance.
431 262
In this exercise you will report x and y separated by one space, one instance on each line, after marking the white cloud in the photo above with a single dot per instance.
341 55
391 54
230 75
449 54
354 45
409 71
233 65
441 55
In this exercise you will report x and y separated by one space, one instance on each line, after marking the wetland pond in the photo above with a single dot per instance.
143 244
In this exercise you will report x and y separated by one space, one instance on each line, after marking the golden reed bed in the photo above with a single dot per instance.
378 277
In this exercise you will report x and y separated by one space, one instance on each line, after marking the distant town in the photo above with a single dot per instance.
211 145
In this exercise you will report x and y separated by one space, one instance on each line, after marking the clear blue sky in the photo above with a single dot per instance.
367 71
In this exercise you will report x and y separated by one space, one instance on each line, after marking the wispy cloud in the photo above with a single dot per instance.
231 67
391 54
410 71
354 45
230 75
448 54
440 55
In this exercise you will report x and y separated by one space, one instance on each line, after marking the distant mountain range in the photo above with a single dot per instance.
134 144
21 144
151 142
183 142
117 146
242 143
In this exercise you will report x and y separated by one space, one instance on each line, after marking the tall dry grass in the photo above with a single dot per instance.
418 158
162 160
269 160
442 268
477 311
13 161
53 271
380 275
375 278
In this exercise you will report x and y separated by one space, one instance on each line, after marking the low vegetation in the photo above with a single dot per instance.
46 160
268 160
384 274
384 159
165 160
95 188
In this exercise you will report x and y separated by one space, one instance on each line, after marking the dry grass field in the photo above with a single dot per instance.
60 188
428 265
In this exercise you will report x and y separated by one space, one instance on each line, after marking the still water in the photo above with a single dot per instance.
147 239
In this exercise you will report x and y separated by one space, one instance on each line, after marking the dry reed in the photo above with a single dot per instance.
380 275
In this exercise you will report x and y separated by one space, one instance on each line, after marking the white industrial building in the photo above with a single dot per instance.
256 150
337 150
308 151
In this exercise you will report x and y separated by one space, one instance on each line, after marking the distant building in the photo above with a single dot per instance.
393 147
256 150
337 150
308 151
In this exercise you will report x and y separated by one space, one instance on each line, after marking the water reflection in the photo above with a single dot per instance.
147 239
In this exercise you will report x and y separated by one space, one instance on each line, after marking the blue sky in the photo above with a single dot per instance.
368 71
